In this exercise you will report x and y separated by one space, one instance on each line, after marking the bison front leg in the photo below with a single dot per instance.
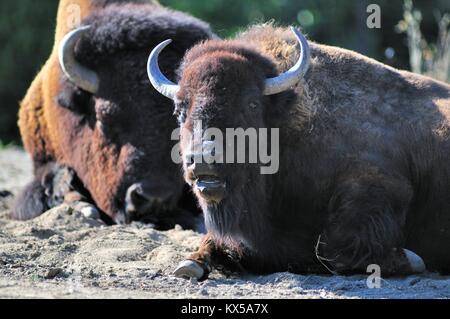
31 202
367 214
198 265
52 186
62 186
39 195
210 255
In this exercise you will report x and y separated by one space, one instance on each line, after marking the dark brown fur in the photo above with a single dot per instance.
364 158
120 135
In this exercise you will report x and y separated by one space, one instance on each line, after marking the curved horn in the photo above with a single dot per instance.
291 77
79 75
161 84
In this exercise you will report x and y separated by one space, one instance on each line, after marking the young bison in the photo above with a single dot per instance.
364 174
94 130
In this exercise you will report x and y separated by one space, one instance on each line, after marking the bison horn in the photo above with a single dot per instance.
291 77
162 84
272 86
79 75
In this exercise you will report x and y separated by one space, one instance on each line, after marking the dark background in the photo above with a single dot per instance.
27 27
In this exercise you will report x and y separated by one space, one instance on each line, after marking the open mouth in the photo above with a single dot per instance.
210 187
205 182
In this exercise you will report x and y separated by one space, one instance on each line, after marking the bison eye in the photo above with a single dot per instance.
76 100
181 116
180 112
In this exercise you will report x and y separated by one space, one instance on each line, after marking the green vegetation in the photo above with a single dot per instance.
4 146
27 27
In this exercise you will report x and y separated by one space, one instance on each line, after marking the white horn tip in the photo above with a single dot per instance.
416 262
297 32
291 77
156 77
162 45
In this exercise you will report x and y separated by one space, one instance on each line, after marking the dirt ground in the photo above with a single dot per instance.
63 254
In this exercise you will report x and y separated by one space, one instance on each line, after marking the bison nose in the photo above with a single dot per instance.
139 202
207 151
203 170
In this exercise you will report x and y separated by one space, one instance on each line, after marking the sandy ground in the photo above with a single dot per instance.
62 254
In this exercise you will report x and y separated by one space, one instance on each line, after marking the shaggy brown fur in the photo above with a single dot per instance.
364 153
119 136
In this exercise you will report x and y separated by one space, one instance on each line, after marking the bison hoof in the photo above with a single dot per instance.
189 269
415 262
88 210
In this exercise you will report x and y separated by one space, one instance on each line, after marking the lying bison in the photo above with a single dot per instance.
364 152
94 130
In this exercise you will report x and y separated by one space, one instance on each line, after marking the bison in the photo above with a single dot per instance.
364 151
95 132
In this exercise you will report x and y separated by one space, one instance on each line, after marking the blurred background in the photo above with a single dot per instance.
413 35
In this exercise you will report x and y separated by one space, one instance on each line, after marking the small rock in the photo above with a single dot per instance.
35 254
52 273
55 240
414 281
157 274
69 247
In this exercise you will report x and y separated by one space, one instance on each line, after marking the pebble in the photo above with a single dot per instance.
414 281
52 273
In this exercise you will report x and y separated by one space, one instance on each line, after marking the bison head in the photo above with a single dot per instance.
109 127
224 85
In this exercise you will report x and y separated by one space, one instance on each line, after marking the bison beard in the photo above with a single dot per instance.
115 136
364 151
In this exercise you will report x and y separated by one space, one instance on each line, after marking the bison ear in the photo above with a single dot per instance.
76 100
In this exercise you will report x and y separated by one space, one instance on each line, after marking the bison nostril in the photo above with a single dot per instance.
134 198
138 201
189 159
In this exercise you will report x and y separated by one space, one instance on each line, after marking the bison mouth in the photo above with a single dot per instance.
210 187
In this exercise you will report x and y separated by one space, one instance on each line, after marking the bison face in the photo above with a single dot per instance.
210 104
224 87
115 132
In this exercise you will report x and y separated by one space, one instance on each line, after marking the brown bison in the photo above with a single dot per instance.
364 151
94 130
